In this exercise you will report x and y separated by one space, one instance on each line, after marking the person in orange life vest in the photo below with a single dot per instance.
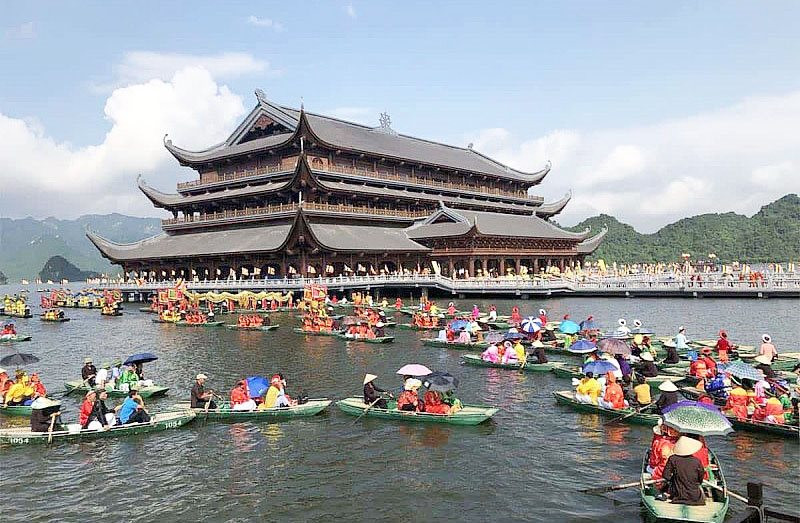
434 404
240 397
664 439
86 408
723 346
38 386
409 400
711 365
698 368
737 403
613 398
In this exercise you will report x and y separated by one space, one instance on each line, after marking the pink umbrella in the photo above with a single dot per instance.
414 369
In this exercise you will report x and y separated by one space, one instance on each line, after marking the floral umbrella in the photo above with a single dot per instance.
696 419
741 370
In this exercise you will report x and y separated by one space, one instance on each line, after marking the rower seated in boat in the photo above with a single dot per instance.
200 398
669 396
538 351
647 367
240 397
43 410
641 392
100 416
549 334
9 331
409 400
588 389
683 474
373 393
133 410
764 364
88 372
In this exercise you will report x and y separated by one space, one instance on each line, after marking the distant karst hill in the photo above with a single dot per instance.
772 234
58 268
26 244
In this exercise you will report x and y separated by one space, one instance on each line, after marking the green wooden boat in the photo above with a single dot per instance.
111 314
567 397
574 371
159 422
16 314
381 339
148 310
16 410
315 333
412 327
144 392
159 320
469 415
223 411
16 339
53 320
761 427
261 328
475 359
209 324
436 342
714 510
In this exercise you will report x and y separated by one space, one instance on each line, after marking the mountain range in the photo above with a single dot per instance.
772 234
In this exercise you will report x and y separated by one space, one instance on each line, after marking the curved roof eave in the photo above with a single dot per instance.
590 245
547 210
222 150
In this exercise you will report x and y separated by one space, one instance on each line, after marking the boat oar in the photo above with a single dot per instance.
727 491
70 391
53 417
366 410
628 415
611 488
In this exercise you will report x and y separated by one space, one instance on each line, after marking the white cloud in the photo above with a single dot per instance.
265 22
733 159
67 181
362 115
141 66
24 31
350 10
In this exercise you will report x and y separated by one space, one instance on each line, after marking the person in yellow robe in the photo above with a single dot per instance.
588 389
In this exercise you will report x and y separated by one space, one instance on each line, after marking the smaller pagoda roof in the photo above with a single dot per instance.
266 238
460 222
589 245
224 150
343 237
170 200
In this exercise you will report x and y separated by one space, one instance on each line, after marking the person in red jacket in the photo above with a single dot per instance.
240 397
661 446
723 346
38 387
86 408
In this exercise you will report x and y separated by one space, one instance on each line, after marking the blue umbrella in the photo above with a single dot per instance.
589 325
457 325
599 367
142 357
569 327
531 324
257 385
741 370
582 347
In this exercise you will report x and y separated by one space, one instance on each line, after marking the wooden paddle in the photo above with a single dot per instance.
366 410
628 415
611 488
53 417
70 391
726 491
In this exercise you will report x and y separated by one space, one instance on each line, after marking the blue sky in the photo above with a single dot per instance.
511 77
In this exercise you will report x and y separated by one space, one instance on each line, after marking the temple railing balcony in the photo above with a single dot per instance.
372 211
237 175
427 182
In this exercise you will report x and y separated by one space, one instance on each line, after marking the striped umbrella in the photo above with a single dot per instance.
531 325
696 419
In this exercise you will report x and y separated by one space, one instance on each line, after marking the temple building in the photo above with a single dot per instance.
292 193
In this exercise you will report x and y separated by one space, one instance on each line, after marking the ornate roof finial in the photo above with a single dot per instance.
302 105
470 145
386 123
260 95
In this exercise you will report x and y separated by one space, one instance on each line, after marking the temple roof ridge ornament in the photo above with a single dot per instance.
385 122
550 209
590 245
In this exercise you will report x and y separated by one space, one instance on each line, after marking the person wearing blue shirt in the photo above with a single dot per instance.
132 410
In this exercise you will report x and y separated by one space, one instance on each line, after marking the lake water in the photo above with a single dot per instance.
526 464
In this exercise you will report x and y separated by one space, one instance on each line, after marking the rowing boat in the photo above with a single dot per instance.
469 415
567 397
159 320
16 338
53 320
16 410
223 412
572 371
713 511
381 339
148 310
162 421
184 323
153 391
253 328
474 359
784 362
473 345
763 427
315 333
17 314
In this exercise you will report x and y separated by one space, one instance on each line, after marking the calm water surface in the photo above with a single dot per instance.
526 464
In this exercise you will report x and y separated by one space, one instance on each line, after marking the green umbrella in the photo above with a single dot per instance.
696 419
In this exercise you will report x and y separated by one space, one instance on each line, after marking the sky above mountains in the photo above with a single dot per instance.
648 112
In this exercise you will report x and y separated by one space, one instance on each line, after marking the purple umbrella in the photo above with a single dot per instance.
614 346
